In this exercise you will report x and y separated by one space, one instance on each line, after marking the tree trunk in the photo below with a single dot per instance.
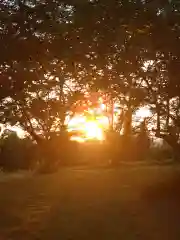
158 118
128 122
172 142
168 114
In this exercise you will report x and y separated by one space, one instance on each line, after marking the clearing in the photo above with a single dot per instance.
132 202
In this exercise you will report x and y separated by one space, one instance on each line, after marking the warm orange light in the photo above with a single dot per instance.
92 123
143 113
78 139
93 130
90 129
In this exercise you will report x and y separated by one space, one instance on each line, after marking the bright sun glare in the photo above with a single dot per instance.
90 129
86 127
143 112
93 130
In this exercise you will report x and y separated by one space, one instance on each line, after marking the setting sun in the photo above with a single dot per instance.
93 130
89 129
97 117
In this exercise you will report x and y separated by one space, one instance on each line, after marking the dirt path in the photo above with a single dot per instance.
128 203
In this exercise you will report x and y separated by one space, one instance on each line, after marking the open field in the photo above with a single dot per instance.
132 202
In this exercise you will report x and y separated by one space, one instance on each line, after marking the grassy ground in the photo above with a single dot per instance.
133 202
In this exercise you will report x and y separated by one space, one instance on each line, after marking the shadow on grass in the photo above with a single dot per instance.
162 204
166 190
129 203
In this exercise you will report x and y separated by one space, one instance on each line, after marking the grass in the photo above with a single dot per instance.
132 202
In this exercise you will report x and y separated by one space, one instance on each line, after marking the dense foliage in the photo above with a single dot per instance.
55 51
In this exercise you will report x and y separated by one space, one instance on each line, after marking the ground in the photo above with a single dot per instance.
132 202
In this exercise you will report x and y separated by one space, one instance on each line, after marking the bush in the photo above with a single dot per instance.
160 153
15 153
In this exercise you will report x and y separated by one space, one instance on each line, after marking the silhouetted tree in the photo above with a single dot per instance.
55 51
142 142
16 153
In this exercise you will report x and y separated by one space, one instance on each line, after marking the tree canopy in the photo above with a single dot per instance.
55 51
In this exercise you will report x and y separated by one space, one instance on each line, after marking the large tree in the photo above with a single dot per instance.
127 49
37 86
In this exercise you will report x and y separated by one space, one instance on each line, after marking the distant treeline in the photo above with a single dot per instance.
18 154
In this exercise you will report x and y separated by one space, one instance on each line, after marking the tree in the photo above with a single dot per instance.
142 141
16 153
116 48
92 46
34 83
